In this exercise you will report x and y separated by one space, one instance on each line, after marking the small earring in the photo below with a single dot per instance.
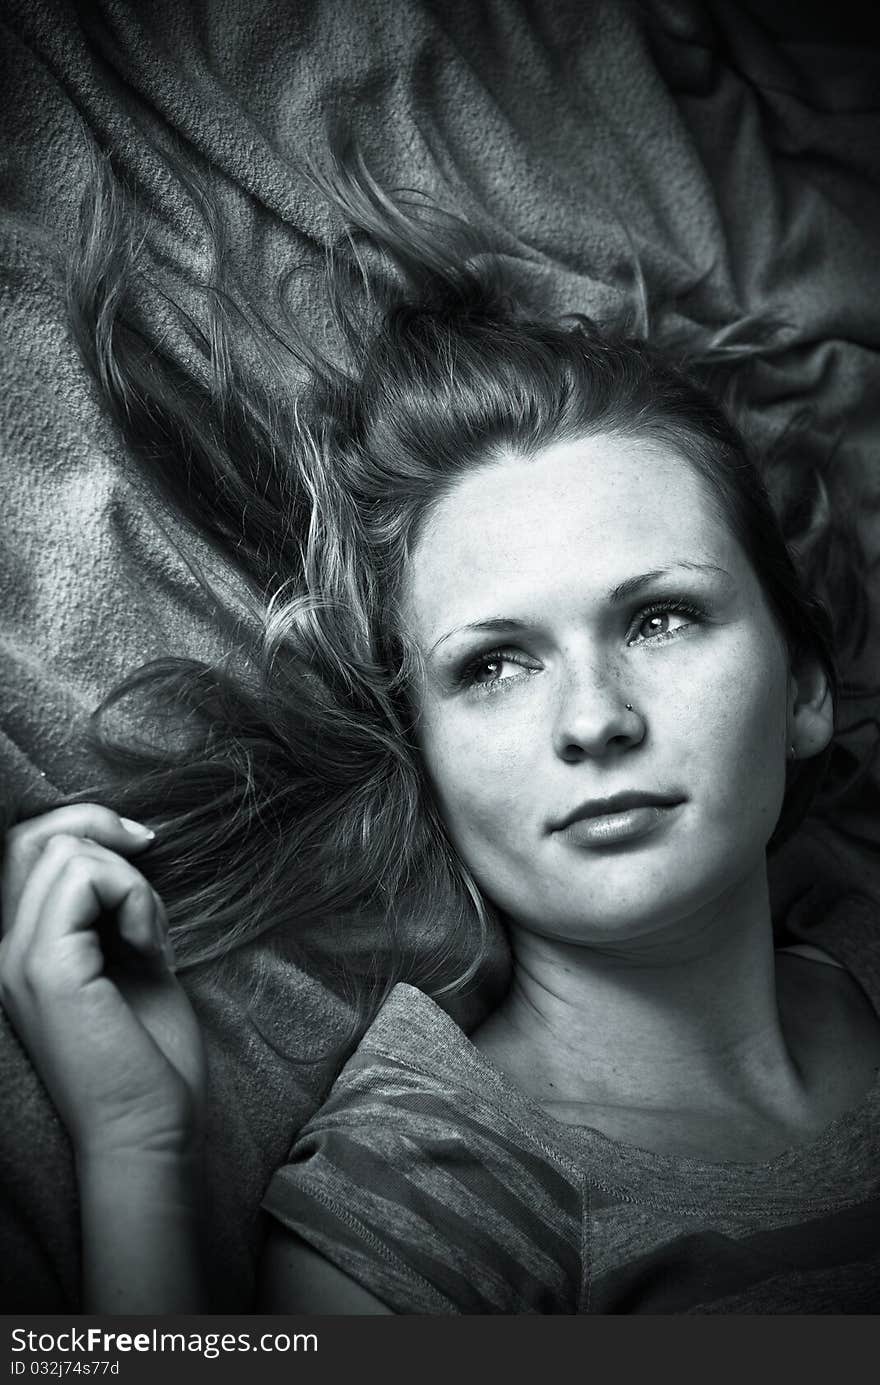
792 753
629 706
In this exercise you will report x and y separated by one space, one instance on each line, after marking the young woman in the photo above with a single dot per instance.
548 665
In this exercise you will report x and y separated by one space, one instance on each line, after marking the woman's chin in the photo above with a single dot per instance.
675 900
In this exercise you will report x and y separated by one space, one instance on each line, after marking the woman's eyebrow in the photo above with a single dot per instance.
631 586
502 625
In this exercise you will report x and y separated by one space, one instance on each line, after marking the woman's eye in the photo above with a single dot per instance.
656 624
491 670
494 669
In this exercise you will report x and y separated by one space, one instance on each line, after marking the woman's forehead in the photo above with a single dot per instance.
586 515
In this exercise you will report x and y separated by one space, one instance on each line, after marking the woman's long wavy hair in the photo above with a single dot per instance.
287 788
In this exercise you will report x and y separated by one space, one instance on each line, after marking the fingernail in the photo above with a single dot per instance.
137 829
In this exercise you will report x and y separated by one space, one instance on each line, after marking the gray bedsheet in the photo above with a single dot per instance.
739 157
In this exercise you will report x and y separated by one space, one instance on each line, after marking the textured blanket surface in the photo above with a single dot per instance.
734 148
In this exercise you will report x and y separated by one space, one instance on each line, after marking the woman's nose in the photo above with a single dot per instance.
595 716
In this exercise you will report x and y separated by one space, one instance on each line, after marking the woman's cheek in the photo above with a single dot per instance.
482 768
748 717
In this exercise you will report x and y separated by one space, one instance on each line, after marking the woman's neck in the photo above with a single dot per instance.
687 1019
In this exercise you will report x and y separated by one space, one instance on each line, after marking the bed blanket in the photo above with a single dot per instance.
734 148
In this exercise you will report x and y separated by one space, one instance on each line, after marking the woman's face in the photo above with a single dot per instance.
548 593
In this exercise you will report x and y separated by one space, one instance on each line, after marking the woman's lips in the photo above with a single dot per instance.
613 829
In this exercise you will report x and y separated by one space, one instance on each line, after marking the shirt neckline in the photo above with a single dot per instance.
625 1168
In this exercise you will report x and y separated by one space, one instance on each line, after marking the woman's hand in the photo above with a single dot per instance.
86 980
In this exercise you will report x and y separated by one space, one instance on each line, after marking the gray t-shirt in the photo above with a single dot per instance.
432 1180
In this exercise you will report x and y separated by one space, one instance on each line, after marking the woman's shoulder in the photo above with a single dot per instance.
416 1071
413 1026
413 1167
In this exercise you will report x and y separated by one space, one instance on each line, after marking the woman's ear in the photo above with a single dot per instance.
810 709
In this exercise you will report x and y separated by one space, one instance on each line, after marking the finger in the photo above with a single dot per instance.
25 843
167 947
86 892
70 890
83 820
47 866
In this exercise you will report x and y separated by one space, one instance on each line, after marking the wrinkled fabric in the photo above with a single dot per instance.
735 160
433 1181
